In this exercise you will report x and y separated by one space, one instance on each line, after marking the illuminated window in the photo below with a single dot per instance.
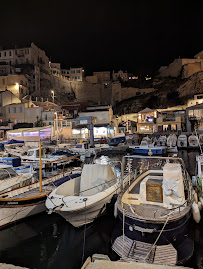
15 135
31 133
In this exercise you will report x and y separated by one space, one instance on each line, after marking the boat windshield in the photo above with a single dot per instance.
31 153
7 173
144 163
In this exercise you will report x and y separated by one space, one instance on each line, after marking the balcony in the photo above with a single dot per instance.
169 119
195 118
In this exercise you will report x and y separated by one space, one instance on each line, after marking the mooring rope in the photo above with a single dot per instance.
123 232
83 249
157 238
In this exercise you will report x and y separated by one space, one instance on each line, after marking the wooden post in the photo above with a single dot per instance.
122 172
40 166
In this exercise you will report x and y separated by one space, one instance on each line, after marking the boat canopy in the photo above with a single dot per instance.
94 177
173 182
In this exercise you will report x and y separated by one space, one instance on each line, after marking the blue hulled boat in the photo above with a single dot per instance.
148 149
154 210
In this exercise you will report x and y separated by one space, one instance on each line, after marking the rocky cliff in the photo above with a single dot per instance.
169 92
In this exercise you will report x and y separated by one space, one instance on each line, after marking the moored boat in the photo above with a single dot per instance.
148 149
182 141
84 198
155 210
29 200
193 141
162 140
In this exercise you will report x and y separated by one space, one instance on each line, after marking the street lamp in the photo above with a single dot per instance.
56 131
52 96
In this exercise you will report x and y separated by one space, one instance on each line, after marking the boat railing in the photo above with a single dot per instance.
171 210
109 183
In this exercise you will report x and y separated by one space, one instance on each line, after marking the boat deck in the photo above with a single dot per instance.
140 251
27 194
148 210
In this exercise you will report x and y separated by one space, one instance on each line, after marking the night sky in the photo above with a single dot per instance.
138 36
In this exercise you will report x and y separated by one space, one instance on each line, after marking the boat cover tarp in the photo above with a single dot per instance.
173 181
94 177
193 140
171 140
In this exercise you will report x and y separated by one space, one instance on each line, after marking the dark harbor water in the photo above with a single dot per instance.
48 241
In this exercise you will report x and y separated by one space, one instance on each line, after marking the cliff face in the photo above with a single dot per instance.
83 91
169 92
156 93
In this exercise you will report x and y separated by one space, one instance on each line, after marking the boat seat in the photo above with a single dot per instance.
133 199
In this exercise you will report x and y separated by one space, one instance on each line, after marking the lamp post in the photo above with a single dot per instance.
53 96
55 113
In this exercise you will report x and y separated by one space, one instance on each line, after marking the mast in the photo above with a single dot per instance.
40 166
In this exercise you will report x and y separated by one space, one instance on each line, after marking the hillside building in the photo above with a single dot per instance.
120 75
76 74
103 76
28 60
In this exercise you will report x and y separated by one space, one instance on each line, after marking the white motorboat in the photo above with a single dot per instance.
161 140
81 148
201 139
171 140
15 149
84 198
193 141
29 200
198 178
182 141
10 180
31 156
171 143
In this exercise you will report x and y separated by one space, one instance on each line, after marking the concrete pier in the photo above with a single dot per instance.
10 266
100 264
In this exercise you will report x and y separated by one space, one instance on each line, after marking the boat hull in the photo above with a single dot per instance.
155 151
84 216
13 213
175 232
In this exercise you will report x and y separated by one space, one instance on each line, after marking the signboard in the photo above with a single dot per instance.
84 121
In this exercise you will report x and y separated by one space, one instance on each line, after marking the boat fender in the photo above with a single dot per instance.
195 198
200 205
196 212
201 200
115 209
